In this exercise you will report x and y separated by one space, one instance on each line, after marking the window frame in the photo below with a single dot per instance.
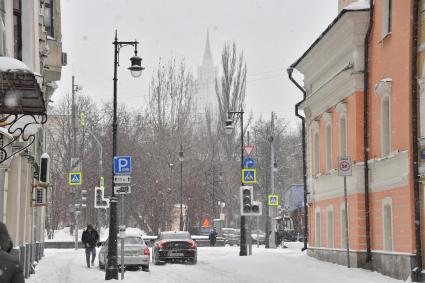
49 6
315 133
327 117
330 229
387 8
387 244
17 30
341 109
383 89
342 223
317 227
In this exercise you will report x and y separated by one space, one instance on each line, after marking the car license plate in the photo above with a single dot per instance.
177 254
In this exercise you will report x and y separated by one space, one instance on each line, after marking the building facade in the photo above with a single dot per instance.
30 36
359 103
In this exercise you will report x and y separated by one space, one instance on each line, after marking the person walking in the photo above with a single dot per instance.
89 239
212 237
10 269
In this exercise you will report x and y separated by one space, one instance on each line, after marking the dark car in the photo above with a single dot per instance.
231 236
173 246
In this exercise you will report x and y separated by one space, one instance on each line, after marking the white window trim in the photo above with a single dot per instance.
327 118
315 150
317 232
330 244
383 89
387 201
342 216
341 109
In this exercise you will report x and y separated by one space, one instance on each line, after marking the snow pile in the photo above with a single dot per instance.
358 5
8 64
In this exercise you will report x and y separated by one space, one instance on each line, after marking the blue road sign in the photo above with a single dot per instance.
249 176
122 164
75 179
248 162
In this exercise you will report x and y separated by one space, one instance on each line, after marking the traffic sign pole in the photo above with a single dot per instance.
345 169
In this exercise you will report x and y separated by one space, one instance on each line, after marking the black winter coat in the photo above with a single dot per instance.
90 238
10 269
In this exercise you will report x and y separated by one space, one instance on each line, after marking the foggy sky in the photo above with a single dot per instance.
271 33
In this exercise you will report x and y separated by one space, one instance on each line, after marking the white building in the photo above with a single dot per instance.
30 38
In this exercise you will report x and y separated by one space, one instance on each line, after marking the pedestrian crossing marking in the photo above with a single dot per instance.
249 176
273 200
75 179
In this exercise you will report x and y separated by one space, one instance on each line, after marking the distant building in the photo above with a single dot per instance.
206 98
293 197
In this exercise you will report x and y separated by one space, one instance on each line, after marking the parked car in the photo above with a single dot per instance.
174 246
260 235
231 236
136 252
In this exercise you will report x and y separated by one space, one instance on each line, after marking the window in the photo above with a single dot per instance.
2 29
383 89
315 147
328 147
330 227
17 29
341 108
343 227
385 120
317 228
343 136
387 219
327 118
49 18
386 17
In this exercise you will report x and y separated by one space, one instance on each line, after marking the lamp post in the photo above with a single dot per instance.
228 130
181 158
136 71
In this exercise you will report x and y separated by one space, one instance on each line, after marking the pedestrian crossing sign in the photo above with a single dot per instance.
75 179
273 200
249 176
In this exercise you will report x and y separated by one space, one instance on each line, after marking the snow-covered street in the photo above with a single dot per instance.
219 264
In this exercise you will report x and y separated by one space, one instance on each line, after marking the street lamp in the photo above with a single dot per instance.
181 158
136 71
228 130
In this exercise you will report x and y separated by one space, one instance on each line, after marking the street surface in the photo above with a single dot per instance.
219 264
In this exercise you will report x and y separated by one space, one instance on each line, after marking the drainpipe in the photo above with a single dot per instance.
366 132
416 272
290 70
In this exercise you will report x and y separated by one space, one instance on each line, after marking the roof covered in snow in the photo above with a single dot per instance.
8 64
358 5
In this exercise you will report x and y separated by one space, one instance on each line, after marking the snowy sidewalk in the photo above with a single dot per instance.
220 264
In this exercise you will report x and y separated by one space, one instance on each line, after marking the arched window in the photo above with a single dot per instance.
317 228
330 232
387 221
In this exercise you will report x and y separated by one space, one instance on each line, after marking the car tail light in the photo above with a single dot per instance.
192 244
161 245
146 251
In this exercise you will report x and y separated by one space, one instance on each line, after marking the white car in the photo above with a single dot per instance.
136 252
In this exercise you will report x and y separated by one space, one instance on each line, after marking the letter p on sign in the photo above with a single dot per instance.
122 164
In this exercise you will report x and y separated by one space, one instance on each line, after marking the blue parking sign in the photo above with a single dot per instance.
122 164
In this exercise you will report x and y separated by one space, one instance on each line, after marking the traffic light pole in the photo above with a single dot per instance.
243 249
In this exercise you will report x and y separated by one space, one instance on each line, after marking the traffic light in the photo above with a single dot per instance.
99 198
248 205
44 168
